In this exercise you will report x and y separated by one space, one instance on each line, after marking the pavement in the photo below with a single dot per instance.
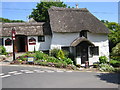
34 77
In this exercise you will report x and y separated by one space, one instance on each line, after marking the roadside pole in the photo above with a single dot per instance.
13 39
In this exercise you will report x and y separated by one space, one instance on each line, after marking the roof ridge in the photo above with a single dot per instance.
68 9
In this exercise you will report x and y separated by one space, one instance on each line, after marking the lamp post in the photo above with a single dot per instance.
13 39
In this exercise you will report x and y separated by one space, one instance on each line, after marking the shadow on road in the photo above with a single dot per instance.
110 77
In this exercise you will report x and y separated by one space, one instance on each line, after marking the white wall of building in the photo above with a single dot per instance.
100 40
63 39
9 48
40 45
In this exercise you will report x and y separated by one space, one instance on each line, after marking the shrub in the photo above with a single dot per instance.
115 63
103 59
106 68
66 53
39 55
54 52
60 54
3 50
68 60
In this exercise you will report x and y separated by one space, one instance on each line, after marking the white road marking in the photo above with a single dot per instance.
5 76
24 70
17 73
60 71
40 71
29 72
13 72
69 71
1 74
49 71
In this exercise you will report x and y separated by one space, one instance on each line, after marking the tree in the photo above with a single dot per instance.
114 35
40 14
4 20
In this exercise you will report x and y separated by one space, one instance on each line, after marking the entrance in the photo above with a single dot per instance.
83 50
84 54
21 43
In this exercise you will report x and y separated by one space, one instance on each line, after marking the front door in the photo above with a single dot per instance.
84 54
21 43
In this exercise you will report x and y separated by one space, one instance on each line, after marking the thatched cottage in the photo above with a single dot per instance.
72 29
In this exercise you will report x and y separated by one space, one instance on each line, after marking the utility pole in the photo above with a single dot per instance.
13 39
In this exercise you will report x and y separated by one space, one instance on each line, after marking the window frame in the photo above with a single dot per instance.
83 33
41 38
94 51
8 43
32 42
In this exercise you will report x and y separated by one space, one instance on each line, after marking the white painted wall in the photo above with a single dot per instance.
63 39
100 40
10 47
40 45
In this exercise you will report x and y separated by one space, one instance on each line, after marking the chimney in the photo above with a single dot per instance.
76 5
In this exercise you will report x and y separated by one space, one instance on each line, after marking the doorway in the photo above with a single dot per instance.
21 43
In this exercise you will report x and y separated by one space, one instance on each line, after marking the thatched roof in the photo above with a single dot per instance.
74 20
26 29
78 40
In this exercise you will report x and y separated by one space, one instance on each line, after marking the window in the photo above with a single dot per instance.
32 41
41 38
83 34
8 42
94 50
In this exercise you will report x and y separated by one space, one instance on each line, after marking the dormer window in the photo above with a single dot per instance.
83 33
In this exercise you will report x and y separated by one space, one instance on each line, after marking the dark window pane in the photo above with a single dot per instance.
94 50
83 34
41 38
8 41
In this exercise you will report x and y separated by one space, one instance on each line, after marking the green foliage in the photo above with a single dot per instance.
106 68
4 20
103 59
60 55
39 55
115 63
66 53
54 52
40 14
3 50
116 50
68 60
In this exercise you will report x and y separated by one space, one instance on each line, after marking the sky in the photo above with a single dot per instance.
21 10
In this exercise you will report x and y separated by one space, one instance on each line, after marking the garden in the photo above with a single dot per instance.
57 58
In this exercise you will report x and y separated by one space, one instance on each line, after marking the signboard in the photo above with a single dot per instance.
30 59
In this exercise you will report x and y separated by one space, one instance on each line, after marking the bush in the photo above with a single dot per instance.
115 63
66 53
39 55
103 59
3 50
68 60
60 54
54 52
106 68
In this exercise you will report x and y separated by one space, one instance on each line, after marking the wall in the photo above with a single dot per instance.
63 39
100 40
40 45
10 47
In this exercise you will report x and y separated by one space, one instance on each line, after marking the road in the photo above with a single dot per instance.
33 77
